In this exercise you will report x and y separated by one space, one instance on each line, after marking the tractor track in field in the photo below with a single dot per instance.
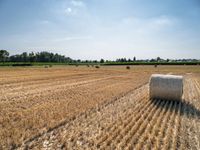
42 82
35 95
96 117
46 88
131 122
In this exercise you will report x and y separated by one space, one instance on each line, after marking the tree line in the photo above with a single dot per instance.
34 57
45 56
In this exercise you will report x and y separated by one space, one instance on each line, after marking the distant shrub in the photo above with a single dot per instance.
76 65
46 66
50 65
88 65
128 67
97 67
155 66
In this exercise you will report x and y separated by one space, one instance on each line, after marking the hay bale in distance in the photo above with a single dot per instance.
168 87
128 67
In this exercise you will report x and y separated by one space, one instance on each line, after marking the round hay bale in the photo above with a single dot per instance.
167 87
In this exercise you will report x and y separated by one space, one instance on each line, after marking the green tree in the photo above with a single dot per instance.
3 55
102 61
32 57
134 58
158 59
25 57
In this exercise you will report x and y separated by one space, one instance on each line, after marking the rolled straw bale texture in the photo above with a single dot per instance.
168 87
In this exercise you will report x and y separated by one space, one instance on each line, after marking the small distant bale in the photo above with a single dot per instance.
88 65
97 67
46 66
76 65
128 67
167 87
155 66
50 66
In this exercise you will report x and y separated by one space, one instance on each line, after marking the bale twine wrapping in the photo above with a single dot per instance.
168 87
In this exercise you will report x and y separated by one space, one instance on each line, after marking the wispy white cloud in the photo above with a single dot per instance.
154 21
72 38
163 21
74 7
44 22
144 26
68 11
77 3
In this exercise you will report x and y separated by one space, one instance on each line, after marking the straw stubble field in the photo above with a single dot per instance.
89 108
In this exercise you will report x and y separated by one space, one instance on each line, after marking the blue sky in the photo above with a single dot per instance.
109 29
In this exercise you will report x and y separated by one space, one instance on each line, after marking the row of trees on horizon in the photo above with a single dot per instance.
45 56
33 57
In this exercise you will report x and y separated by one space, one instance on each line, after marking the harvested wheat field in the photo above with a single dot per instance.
96 108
